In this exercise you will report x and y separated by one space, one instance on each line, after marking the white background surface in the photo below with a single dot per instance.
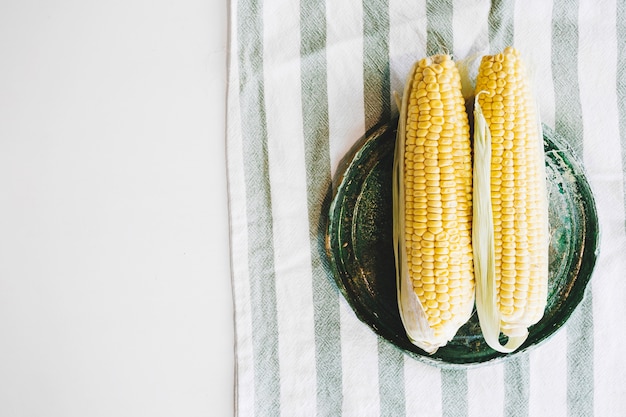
115 296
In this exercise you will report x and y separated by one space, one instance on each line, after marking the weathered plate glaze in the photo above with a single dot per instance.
359 245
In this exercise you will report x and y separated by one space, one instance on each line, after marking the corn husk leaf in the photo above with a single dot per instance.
483 240
412 312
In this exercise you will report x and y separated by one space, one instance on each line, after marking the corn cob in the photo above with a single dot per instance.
510 231
432 192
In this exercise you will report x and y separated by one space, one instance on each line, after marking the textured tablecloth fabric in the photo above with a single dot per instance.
306 80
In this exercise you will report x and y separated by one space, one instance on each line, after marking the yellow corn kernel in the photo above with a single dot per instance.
445 171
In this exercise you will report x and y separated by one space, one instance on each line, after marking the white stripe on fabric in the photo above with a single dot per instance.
471 30
344 54
532 34
485 385
548 377
294 299
407 41
423 388
359 344
471 39
244 378
486 391
359 364
602 159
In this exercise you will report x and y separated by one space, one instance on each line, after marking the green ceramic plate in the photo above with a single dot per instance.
359 245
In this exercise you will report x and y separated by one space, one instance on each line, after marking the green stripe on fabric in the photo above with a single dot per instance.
580 359
621 83
317 159
517 386
454 393
376 76
439 32
440 39
258 210
569 124
391 377
377 105
568 111
501 24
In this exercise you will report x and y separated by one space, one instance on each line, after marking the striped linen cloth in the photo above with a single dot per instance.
306 80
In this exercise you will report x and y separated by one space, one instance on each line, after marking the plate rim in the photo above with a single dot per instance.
588 258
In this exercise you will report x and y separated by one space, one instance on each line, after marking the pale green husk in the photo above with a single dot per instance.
411 310
483 240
